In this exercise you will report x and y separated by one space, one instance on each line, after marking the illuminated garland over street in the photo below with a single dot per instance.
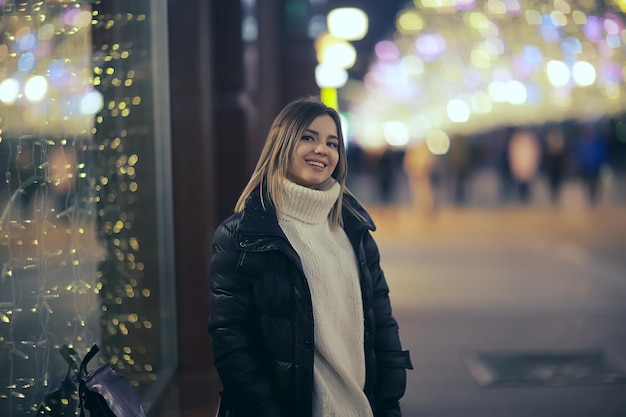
469 66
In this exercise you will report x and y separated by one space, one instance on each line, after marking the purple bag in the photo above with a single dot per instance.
105 393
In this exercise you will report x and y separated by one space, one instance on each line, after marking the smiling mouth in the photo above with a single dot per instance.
316 164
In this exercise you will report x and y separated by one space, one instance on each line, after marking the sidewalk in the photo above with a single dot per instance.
511 280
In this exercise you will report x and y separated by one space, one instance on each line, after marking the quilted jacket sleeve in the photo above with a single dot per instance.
247 390
392 361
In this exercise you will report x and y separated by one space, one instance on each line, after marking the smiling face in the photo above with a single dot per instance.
316 153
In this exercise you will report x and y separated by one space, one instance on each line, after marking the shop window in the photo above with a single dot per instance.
85 228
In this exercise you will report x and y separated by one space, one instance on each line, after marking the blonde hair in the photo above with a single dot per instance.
271 169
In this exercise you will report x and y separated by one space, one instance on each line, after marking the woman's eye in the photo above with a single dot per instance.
333 144
307 138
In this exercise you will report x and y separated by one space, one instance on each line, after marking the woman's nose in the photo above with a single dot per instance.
321 149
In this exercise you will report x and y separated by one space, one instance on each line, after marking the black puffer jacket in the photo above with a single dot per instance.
262 318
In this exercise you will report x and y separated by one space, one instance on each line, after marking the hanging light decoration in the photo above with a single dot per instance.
469 66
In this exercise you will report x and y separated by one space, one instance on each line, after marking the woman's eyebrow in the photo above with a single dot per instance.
316 133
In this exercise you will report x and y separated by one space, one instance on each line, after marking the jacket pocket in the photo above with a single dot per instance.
399 359
391 377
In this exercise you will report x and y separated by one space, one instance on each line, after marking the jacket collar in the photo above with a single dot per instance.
350 221
260 221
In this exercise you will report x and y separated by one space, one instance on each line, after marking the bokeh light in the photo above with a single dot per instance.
347 23
91 103
46 70
409 21
438 142
558 73
458 110
35 88
9 90
330 76
396 133
464 67
584 73
342 55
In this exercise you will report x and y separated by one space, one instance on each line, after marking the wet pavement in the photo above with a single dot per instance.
514 282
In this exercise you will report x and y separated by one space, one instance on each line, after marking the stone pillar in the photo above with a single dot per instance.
229 105
193 159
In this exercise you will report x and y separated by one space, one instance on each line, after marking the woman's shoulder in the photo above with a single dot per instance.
252 220
227 229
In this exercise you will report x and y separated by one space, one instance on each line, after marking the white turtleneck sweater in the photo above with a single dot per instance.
331 271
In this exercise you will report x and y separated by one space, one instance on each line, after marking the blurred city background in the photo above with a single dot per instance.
486 137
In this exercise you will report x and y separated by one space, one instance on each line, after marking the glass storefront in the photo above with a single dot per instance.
85 228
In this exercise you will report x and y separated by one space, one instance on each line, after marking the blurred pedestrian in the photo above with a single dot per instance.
419 164
459 168
554 158
524 155
386 174
505 176
591 156
301 320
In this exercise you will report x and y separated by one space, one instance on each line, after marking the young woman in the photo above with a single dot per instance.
301 321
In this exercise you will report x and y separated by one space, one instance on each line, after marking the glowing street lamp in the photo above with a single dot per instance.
335 55
347 23
335 51
330 76
341 54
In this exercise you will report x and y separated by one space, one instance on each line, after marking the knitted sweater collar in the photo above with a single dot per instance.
309 205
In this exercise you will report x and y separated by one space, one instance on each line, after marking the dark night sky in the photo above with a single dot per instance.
382 15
